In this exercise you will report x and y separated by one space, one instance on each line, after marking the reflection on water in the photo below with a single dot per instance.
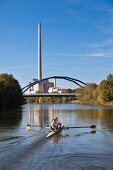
73 148
10 118
41 115
61 135
57 137
71 115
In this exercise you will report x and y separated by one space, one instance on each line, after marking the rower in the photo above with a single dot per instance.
59 124
54 125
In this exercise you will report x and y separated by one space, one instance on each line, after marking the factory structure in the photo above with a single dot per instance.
45 86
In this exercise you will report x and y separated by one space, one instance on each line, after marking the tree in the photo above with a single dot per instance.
87 93
10 91
104 92
110 79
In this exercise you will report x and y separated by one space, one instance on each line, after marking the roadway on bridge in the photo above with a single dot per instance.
49 95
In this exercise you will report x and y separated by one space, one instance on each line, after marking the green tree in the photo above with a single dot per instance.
86 93
105 91
69 90
110 79
41 99
30 99
10 91
36 100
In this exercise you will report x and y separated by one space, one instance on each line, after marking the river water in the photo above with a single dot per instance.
72 149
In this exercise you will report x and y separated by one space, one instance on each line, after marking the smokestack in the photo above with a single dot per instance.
39 53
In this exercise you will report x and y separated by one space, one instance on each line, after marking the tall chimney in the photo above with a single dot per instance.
39 53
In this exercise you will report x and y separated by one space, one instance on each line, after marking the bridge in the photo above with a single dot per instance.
50 95
40 80
73 80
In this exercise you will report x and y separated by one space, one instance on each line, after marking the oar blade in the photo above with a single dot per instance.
28 127
92 127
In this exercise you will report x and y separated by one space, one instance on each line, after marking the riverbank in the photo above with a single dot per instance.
92 104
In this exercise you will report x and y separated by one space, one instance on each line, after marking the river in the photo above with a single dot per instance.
72 149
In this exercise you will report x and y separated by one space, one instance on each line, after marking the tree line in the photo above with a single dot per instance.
101 94
49 100
10 91
92 93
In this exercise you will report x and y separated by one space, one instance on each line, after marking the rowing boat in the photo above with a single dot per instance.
53 132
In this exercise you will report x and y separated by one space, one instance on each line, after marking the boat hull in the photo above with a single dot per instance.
53 132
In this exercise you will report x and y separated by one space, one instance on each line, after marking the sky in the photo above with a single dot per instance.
77 39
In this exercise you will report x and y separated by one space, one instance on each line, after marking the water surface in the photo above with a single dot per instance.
75 148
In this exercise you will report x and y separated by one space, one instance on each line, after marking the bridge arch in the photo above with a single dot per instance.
76 81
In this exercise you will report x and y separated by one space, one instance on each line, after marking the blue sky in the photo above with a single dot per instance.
77 39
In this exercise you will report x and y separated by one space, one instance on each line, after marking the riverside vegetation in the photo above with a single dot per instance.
93 94
102 94
10 91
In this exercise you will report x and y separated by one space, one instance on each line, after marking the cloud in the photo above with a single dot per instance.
89 54
96 54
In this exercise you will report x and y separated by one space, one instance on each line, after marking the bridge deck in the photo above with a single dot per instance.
49 95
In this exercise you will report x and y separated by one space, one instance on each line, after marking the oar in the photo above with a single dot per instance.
28 127
92 127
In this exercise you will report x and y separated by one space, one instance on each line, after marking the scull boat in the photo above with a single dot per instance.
53 132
